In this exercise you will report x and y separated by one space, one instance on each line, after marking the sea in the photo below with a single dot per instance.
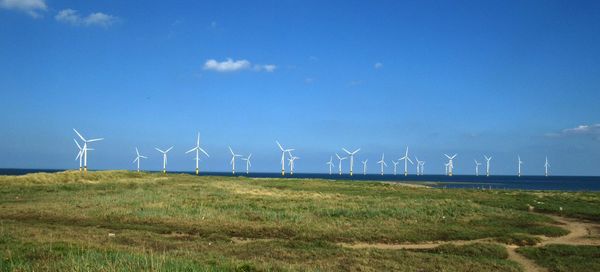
496 182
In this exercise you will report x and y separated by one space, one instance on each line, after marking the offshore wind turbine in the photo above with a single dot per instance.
546 165
487 165
198 149
85 149
520 162
340 162
137 158
477 164
382 162
418 166
283 157
291 160
330 163
232 162
80 154
248 164
164 158
422 167
351 158
406 159
395 164
450 163
365 166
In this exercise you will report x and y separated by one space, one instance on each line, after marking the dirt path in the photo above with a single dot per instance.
580 233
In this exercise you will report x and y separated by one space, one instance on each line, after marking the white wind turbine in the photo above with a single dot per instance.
85 149
364 166
382 162
477 164
340 162
137 158
198 149
283 157
80 154
395 165
520 162
450 163
330 163
487 165
418 166
232 162
164 158
351 158
422 167
447 166
406 159
292 160
248 164
546 165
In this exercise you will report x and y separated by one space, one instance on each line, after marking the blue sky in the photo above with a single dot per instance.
468 77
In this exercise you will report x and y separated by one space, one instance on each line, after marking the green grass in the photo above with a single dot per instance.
565 257
183 222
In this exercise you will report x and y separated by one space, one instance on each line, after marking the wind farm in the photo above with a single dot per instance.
330 136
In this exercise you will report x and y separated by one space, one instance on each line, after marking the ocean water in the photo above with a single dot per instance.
562 183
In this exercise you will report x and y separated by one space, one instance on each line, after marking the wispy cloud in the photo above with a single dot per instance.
71 16
230 65
378 65
31 7
581 130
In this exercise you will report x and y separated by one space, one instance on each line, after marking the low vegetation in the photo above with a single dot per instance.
565 258
120 220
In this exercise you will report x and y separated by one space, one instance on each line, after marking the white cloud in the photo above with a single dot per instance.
31 7
230 65
72 17
581 130
378 65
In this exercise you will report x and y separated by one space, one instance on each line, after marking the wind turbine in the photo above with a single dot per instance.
85 149
291 160
422 167
477 164
520 162
382 162
395 164
248 164
330 163
164 158
487 165
546 165
351 158
197 148
232 162
365 166
340 162
283 157
418 166
450 163
447 166
137 159
406 159
80 154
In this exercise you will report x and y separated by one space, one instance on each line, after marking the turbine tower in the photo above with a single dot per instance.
85 149
198 149
450 163
351 158
164 158
406 159
340 162
137 158
80 154
447 166
477 164
546 165
248 164
382 162
520 162
365 166
395 165
487 165
232 162
330 163
283 157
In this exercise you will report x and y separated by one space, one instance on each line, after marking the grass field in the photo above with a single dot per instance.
125 221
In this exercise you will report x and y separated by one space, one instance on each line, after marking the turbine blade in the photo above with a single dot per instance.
159 150
77 144
169 149
83 139
203 151
346 151
95 140
193 149
278 144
